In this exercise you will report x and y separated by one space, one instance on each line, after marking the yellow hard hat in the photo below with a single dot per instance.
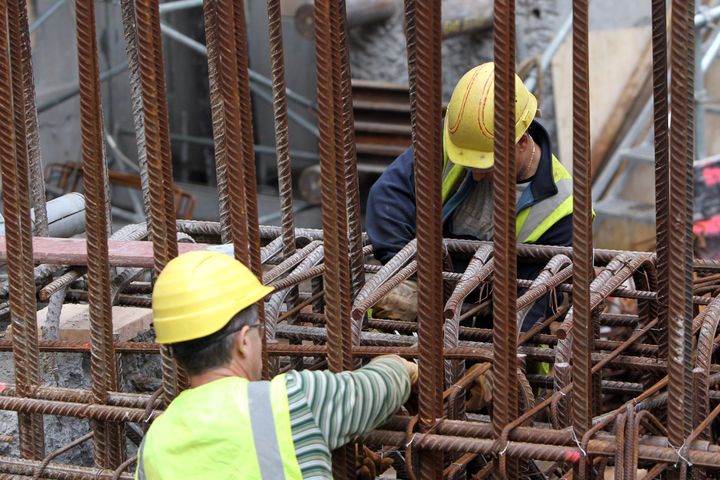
469 130
198 293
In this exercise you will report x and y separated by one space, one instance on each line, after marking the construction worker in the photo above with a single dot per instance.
544 187
231 425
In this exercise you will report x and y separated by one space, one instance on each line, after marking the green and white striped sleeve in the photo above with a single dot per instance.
349 404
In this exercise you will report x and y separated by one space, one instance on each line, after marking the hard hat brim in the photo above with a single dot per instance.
466 157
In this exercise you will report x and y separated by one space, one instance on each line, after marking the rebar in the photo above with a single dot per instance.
424 67
108 451
16 210
679 411
603 405
582 342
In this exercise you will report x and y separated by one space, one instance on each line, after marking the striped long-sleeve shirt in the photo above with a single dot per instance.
328 410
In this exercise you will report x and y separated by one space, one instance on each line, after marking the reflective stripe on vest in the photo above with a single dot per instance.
263 450
140 472
532 222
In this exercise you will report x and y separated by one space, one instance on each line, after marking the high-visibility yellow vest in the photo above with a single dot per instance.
531 222
227 429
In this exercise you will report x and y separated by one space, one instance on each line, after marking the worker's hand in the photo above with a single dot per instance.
410 367
369 464
480 393
399 304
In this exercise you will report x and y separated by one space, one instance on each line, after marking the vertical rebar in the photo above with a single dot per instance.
248 155
282 146
37 181
337 275
246 140
680 236
108 439
662 188
157 146
352 187
582 342
131 50
16 209
426 76
505 388
228 73
218 118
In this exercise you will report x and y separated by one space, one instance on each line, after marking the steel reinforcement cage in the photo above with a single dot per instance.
657 416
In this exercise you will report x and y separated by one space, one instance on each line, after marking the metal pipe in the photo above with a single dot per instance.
168 7
46 15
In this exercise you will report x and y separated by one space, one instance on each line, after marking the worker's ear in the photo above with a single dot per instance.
523 143
241 341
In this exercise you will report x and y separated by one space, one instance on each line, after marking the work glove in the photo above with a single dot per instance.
399 304
368 464
480 393
410 367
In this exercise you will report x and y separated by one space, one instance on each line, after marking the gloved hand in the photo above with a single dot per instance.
480 392
399 304
410 367
370 464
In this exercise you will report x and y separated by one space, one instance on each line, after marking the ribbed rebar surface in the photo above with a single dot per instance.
108 445
679 411
504 307
318 316
424 64
583 330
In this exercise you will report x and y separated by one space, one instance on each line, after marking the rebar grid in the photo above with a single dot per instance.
616 400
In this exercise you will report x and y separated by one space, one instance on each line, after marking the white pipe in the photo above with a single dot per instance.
66 216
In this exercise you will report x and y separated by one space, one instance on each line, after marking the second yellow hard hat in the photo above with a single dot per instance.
469 130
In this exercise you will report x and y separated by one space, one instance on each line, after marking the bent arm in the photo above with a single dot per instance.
348 404
390 212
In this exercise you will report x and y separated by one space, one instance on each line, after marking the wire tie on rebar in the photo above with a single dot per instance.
502 452
412 440
149 415
577 442
678 451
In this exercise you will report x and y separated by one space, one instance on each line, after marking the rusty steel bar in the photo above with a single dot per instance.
679 409
425 72
333 188
247 143
108 436
37 182
662 187
16 210
131 50
583 332
162 216
218 117
247 146
505 384
350 173
282 145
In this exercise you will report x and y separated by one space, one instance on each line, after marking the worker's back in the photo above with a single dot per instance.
236 429
212 431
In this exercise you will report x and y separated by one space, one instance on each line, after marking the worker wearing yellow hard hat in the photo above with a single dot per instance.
231 425
543 189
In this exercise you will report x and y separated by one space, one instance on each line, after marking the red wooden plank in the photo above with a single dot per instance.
73 251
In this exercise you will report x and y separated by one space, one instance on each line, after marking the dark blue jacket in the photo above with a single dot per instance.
390 212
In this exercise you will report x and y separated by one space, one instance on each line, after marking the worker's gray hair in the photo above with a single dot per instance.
215 350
